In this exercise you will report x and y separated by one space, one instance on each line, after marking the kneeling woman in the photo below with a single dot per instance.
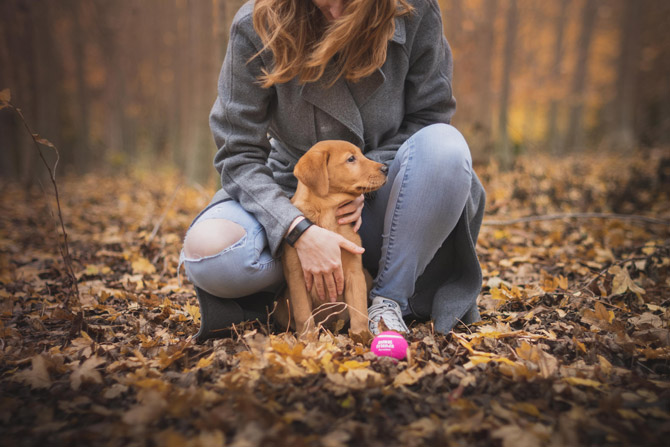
376 74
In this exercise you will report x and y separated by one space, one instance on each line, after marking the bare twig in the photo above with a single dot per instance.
158 224
5 101
633 217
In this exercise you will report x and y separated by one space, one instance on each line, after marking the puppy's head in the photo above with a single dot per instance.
335 166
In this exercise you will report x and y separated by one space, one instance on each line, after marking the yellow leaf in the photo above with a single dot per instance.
477 359
581 346
534 354
601 317
348 402
628 414
526 352
142 266
528 408
583 382
605 365
311 366
500 234
5 95
205 362
327 364
603 314
352 364
194 312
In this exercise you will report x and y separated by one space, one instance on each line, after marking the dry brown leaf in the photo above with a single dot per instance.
152 405
622 283
38 374
87 372
515 436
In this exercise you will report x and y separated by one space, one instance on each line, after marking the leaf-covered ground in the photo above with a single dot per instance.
573 349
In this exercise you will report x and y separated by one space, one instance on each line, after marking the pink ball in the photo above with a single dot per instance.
389 344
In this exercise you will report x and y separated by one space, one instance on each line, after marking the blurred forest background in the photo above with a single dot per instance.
127 83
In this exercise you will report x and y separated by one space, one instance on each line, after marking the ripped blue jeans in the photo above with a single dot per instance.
404 224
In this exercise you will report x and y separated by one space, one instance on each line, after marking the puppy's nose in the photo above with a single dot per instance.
384 169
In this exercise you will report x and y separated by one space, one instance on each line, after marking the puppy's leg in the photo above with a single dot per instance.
301 303
356 297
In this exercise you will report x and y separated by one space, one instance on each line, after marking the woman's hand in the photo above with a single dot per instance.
319 251
351 212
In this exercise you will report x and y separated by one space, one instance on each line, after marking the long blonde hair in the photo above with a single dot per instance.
302 41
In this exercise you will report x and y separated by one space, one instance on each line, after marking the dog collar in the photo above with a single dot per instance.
297 231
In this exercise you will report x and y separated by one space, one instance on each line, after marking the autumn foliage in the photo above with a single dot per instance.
573 348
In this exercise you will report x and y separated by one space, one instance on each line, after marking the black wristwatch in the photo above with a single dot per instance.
297 231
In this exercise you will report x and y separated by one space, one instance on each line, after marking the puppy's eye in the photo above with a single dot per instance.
351 159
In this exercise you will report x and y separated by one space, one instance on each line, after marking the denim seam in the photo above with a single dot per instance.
394 219
257 254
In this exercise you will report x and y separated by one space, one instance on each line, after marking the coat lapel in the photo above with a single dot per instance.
336 101
342 100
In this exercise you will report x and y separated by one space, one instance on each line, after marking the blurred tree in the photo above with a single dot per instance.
622 134
575 131
483 112
504 152
553 138
122 83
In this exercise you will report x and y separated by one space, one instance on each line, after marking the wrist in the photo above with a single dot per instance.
295 222
297 229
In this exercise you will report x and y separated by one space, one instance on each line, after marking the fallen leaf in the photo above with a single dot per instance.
87 372
621 283
37 376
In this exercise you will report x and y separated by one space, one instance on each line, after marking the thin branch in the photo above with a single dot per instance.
37 141
158 224
634 217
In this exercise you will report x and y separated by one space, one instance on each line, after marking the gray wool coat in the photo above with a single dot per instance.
262 132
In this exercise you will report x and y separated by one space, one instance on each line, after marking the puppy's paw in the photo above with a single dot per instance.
363 337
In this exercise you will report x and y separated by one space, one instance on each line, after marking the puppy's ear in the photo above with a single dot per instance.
312 170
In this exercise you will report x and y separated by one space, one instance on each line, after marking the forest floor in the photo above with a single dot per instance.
573 348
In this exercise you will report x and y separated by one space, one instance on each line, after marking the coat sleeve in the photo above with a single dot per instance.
239 121
428 94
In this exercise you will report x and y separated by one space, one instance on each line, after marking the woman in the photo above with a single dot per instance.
374 73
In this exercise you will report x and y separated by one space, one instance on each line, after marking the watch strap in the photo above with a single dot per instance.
297 231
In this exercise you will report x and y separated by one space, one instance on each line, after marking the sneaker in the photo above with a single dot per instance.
218 314
390 311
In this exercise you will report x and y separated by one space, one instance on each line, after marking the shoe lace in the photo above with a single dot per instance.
389 312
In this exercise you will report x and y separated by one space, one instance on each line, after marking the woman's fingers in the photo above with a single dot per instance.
319 251
339 283
320 289
346 244
358 224
351 211
331 288
309 281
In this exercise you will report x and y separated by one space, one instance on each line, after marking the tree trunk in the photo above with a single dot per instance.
504 152
623 131
81 149
483 115
575 134
114 92
553 136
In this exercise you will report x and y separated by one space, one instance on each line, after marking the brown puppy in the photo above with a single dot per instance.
329 175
